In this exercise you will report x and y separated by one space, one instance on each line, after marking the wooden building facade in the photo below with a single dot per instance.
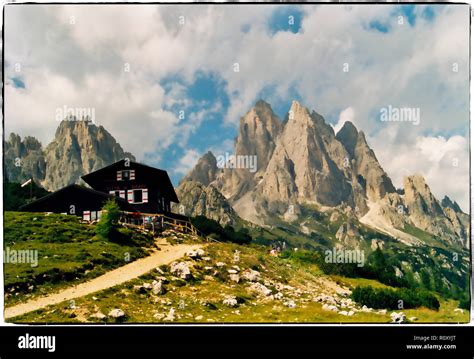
136 187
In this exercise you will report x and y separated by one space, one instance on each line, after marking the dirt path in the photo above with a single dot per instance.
166 255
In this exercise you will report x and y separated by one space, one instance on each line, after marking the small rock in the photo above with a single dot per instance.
230 301
261 289
220 264
398 317
170 316
147 286
290 304
234 278
251 275
278 296
157 287
195 254
99 316
117 313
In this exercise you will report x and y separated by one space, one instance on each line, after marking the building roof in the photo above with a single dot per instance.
155 175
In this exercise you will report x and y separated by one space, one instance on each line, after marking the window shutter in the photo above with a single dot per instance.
145 195
86 215
122 194
132 174
119 175
130 196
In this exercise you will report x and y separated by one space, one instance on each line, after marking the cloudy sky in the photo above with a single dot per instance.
139 66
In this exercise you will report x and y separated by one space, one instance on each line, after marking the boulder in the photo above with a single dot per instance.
278 296
117 314
230 301
146 286
99 316
196 253
290 304
170 316
181 270
158 288
398 317
260 289
251 275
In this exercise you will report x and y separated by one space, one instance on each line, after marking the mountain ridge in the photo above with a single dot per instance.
306 163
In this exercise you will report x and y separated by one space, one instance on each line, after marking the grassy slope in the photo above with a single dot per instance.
200 299
68 252
436 257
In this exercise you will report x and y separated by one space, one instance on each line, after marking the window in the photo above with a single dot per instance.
126 175
91 215
137 196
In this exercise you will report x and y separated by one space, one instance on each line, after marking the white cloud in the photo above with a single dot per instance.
443 161
344 116
187 162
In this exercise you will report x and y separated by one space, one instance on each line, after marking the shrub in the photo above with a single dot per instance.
380 298
465 303
108 221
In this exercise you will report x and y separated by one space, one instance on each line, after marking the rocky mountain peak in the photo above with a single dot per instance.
348 136
205 170
418 197
197 199
298 113
23 159
446 202
259 129
79 147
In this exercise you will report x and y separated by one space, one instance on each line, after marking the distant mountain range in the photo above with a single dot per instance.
301 163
